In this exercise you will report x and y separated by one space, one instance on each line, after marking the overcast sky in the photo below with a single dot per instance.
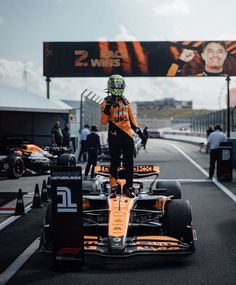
26 24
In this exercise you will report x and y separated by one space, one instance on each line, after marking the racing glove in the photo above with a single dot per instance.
141 135
110 102
107 108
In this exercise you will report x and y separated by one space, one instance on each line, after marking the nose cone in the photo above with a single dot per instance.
116 245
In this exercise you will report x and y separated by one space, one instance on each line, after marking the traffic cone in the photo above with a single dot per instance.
20 208
49 186
44 192
36 199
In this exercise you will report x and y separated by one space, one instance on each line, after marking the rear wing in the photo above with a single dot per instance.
138 170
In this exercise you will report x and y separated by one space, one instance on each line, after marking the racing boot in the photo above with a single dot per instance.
113 192
130 192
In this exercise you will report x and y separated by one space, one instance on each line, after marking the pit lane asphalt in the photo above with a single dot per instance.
213 215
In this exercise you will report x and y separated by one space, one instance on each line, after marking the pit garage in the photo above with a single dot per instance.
30 116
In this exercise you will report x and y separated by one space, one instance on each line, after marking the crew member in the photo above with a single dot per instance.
213 142
94 148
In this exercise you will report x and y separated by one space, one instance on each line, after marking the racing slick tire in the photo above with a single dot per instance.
66 159
169 188
179 220
16 167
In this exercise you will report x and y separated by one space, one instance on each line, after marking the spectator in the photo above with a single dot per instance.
145 133
66 135
94 148
56 133
83 138
214 140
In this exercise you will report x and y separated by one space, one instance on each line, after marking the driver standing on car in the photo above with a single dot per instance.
116 111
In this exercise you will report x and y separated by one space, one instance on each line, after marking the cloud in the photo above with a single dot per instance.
22 75
124 35
173 7
1 20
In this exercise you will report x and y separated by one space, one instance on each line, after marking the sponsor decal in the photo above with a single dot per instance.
116 239
225 154
66 205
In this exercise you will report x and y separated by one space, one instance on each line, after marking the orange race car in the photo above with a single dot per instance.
156 221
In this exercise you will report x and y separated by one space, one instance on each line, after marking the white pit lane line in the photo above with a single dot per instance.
16 265
217 183
13 218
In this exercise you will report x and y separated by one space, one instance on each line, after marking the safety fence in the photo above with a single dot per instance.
200 123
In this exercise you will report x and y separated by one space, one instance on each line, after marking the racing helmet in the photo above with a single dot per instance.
116 85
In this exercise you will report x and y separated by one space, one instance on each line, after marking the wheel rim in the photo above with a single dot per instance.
72 161
18 168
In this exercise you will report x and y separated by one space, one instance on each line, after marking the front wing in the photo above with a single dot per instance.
140 245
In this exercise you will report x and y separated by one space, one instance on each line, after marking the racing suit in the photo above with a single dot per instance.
116 111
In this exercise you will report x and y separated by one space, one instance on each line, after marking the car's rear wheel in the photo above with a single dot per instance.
66 159
179 220
169 188
16 167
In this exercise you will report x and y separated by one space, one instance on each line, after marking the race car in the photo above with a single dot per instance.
156 221
36 160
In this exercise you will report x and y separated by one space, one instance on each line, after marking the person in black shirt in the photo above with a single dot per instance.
56 133
66 136
93 147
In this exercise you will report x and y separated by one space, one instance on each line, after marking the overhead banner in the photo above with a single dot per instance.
172 59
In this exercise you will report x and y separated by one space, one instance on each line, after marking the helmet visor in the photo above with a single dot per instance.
118 85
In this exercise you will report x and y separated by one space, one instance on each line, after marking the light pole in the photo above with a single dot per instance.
81 107
228 107
48 87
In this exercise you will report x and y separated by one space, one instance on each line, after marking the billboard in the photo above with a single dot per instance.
134 58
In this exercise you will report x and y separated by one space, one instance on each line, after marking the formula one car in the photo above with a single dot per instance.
36 160
155 221
39 161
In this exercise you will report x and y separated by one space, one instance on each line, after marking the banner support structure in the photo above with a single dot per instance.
48 87
81 108
228 106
